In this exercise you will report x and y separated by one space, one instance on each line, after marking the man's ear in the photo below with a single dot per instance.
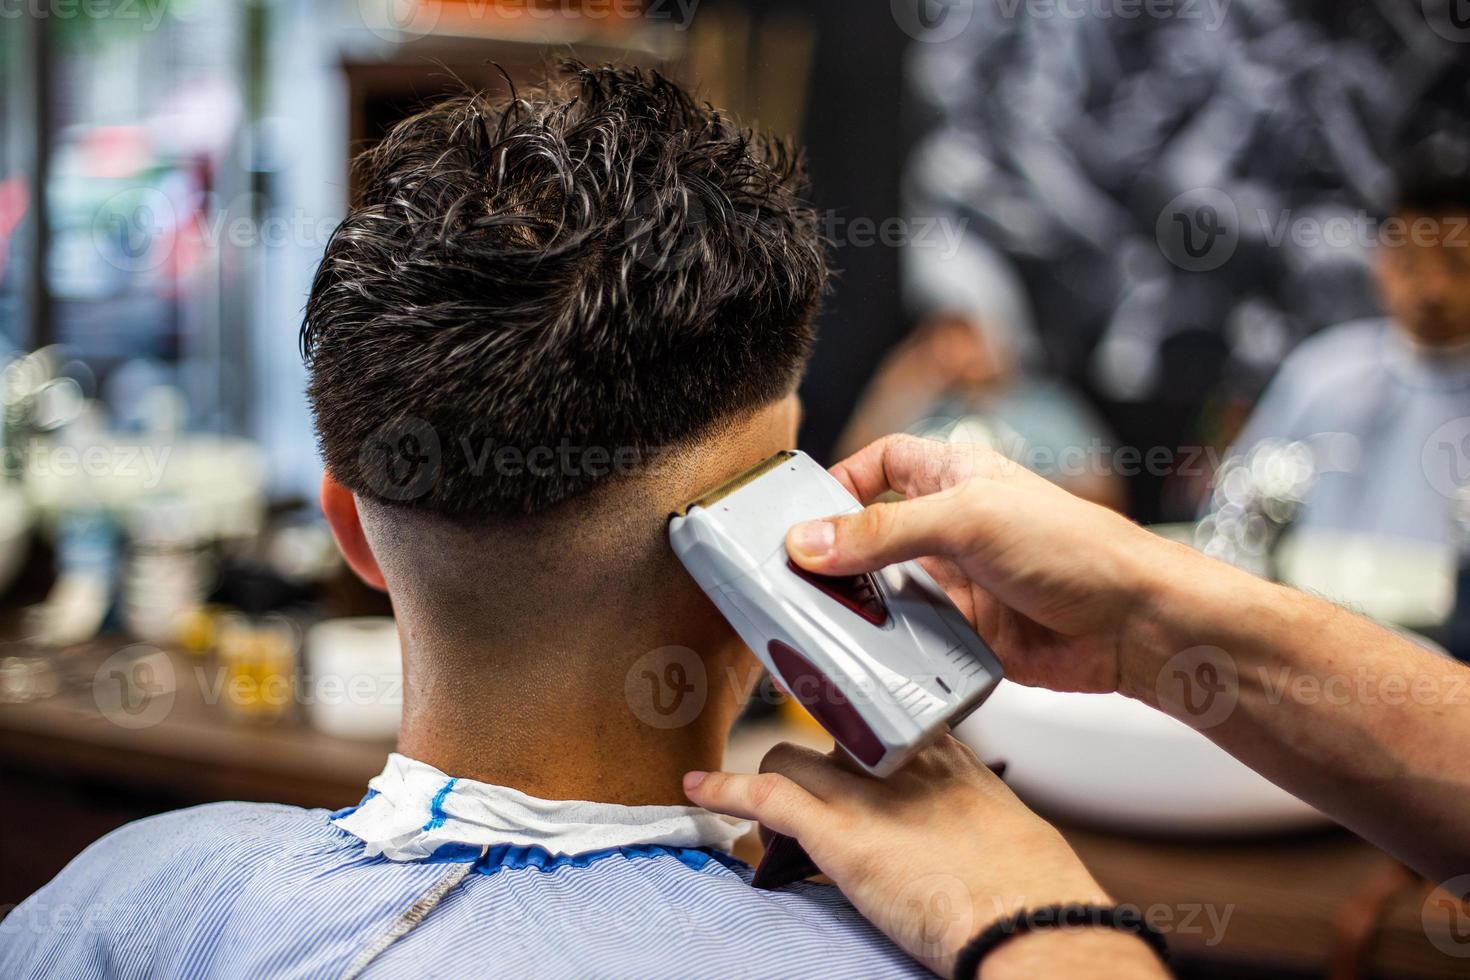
341 509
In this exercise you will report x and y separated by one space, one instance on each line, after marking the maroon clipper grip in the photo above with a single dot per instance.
826 702
784 862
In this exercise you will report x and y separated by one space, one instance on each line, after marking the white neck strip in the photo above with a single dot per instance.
418 809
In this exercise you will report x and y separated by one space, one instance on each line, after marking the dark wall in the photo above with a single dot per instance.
855 150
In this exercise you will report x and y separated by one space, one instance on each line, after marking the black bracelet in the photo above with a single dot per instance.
1121 918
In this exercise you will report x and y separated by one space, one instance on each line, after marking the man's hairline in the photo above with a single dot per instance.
374 507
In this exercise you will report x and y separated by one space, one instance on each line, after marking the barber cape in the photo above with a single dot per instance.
432 875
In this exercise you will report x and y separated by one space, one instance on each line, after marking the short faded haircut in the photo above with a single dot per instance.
603 262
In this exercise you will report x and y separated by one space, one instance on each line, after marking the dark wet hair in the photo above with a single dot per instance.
602 263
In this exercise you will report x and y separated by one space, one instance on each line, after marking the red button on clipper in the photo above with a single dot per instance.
857 592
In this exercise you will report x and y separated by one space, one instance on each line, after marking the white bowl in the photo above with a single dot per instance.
1108 760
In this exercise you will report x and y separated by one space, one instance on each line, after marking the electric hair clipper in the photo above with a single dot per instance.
883 661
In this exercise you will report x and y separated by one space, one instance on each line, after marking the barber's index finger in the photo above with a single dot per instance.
904 464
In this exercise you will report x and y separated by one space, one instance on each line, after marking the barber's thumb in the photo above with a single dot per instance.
878 535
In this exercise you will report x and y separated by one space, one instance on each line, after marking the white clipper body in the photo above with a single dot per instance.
884 662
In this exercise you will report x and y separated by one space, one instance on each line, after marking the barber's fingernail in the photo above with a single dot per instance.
814 538
693 779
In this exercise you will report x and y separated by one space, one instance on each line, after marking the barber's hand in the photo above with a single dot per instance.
1059 587
931 855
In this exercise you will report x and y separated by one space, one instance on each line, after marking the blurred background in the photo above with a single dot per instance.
1144 247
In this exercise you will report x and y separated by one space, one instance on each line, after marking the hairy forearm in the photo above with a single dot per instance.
1360 722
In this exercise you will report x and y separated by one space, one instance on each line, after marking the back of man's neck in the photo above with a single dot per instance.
558 736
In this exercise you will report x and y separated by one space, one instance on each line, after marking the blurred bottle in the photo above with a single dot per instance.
166 575
259 662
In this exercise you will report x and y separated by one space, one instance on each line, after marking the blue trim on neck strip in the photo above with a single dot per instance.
517 857
437 816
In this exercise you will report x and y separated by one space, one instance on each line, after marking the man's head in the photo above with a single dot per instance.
550 320
1423 264
604 264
